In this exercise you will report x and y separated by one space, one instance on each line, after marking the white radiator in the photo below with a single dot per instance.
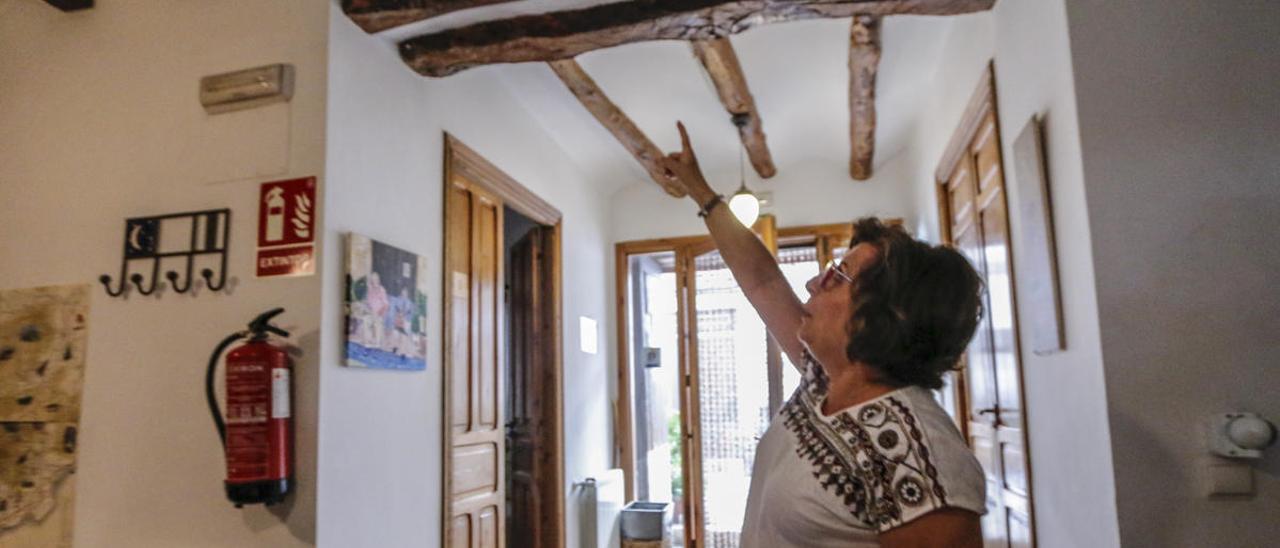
600 502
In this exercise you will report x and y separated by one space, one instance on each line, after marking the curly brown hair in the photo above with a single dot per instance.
915 307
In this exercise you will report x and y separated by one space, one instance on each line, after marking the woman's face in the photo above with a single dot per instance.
824 329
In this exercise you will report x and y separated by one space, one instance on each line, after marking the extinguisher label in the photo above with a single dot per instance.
248 436
246 393
280 393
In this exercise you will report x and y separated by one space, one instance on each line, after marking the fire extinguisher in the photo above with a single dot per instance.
257 435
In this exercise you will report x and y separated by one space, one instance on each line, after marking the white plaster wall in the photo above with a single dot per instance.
381 436
100 122
1074 494
1179 110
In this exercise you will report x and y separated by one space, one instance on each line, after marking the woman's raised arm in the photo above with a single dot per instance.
751 263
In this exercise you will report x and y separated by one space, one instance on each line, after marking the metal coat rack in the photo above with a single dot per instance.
210 234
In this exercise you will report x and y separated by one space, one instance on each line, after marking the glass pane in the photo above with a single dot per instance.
733 396
654 333
799 265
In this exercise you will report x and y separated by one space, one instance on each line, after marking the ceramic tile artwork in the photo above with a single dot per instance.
43 335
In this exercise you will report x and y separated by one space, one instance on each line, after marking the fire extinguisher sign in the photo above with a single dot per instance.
287 228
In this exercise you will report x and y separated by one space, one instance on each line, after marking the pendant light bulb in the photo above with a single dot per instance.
745 206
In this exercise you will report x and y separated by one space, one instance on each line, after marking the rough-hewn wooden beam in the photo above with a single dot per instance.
565 34
616 121
721 62
378 15
864 58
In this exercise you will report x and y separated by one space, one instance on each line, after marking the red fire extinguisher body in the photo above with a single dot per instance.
259 436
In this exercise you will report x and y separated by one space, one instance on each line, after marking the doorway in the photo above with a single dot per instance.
699 377
531 518
503 464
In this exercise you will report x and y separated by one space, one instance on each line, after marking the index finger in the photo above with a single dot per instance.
684 138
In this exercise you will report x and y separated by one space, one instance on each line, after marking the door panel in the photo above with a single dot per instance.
1015 474
522 432
474 469
733 395
487 230
994 524
544 397
650 290
528 450
733 369
999 277
458 244
474 315
976 212
997 259
460 531
962 188
1019 531
489 526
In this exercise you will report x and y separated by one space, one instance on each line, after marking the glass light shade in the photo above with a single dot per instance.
745 206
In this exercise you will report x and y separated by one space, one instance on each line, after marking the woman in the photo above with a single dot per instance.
862 454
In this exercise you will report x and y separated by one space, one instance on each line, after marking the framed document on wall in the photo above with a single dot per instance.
1037 261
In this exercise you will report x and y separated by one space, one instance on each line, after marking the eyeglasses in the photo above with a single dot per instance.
832 273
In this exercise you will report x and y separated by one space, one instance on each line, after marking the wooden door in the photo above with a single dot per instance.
475 498
523 390
975 214
733 370
533 516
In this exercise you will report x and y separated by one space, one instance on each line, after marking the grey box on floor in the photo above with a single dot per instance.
645 524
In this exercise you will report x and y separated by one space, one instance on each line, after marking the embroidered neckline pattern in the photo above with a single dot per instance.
873 457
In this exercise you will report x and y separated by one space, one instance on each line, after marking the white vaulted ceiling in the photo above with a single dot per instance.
796 71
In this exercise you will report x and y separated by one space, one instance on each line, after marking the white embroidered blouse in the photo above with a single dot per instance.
841 479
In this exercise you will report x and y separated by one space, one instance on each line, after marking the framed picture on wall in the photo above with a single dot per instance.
1037 262
386 306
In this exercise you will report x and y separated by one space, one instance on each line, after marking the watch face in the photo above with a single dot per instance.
140 237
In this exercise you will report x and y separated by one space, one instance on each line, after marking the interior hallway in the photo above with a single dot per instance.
1160 120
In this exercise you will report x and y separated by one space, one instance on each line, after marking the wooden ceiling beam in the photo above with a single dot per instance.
565 34
379 15
616 121
864 60
721 62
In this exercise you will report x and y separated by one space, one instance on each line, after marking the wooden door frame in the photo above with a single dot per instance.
461 160
982 103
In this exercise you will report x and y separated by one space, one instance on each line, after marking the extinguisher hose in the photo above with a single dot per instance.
208 384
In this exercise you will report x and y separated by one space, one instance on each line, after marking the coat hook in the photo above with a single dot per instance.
173 281
172 275
137 278
106 284
208 279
